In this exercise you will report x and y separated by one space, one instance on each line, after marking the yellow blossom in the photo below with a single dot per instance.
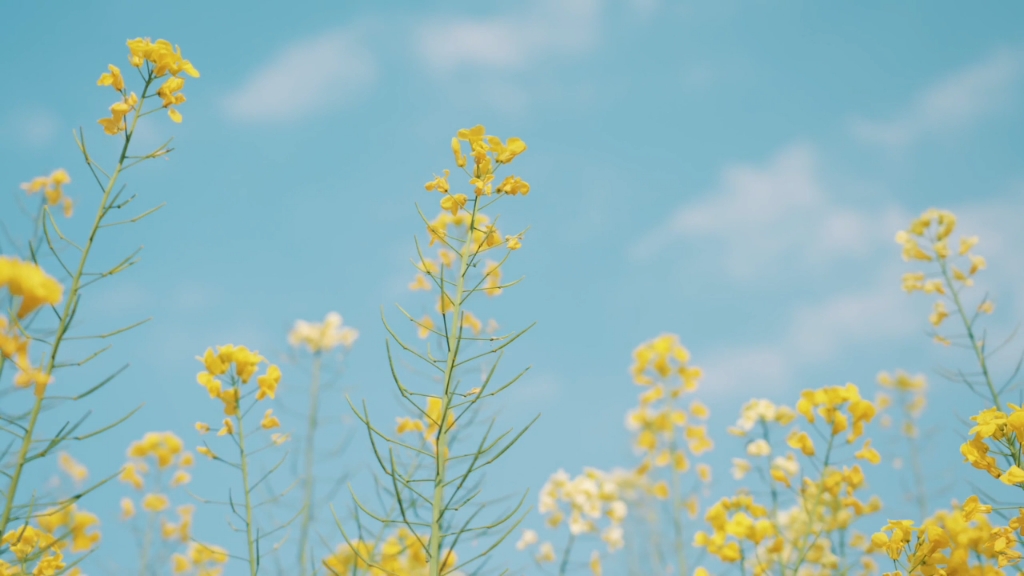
154 502
112 78
269 420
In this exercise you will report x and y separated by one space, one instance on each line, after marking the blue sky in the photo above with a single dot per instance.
732 172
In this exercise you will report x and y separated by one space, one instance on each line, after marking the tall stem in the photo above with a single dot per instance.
441 457
244 459
920 495
968 326
147 543
309 456
65 318
566 554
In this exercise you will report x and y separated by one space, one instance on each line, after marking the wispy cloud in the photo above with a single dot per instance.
32 128
759 213
305 78
952 103
512 41
816 333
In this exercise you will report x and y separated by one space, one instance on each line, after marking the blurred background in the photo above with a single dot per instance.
733 172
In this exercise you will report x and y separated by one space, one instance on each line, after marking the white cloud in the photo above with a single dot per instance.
952 103
758 214
305 78
816 333
507 42
31 128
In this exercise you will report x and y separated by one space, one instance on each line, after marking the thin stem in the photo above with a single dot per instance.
147 543
309 458
968 326
565 555
244 460
70 301
441 456
920 495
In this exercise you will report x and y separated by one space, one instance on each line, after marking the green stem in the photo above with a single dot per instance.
244 459
970 333
307 498
65 318
565 555
147 543
917 471
454 338
817 502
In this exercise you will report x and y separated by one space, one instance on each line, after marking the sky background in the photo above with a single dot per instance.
733 172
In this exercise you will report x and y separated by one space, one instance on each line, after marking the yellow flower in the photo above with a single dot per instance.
202 427
513 186
704 473
130 475
269 420
205 452
29 282
268 383
759 448
595 563
52 187
987 307
425 326
802 442
972 506
127 508
977 263
439 183
482 186
460 159
170 93
546 553
112 78
154 502
966 243
505 153
278 438
453 202
868 453
164 57
513 242
116 123
180 478
419 283
72 467
938 314
740 467
229 428
1012 476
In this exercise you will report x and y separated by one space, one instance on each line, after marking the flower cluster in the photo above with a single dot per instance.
400 553
161 59
31 546
246 363
733 521
841 407
1004 431
200 559
322 336
34 287
661 423
927 239
161 458
26 280
52 187
588 498
958 541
